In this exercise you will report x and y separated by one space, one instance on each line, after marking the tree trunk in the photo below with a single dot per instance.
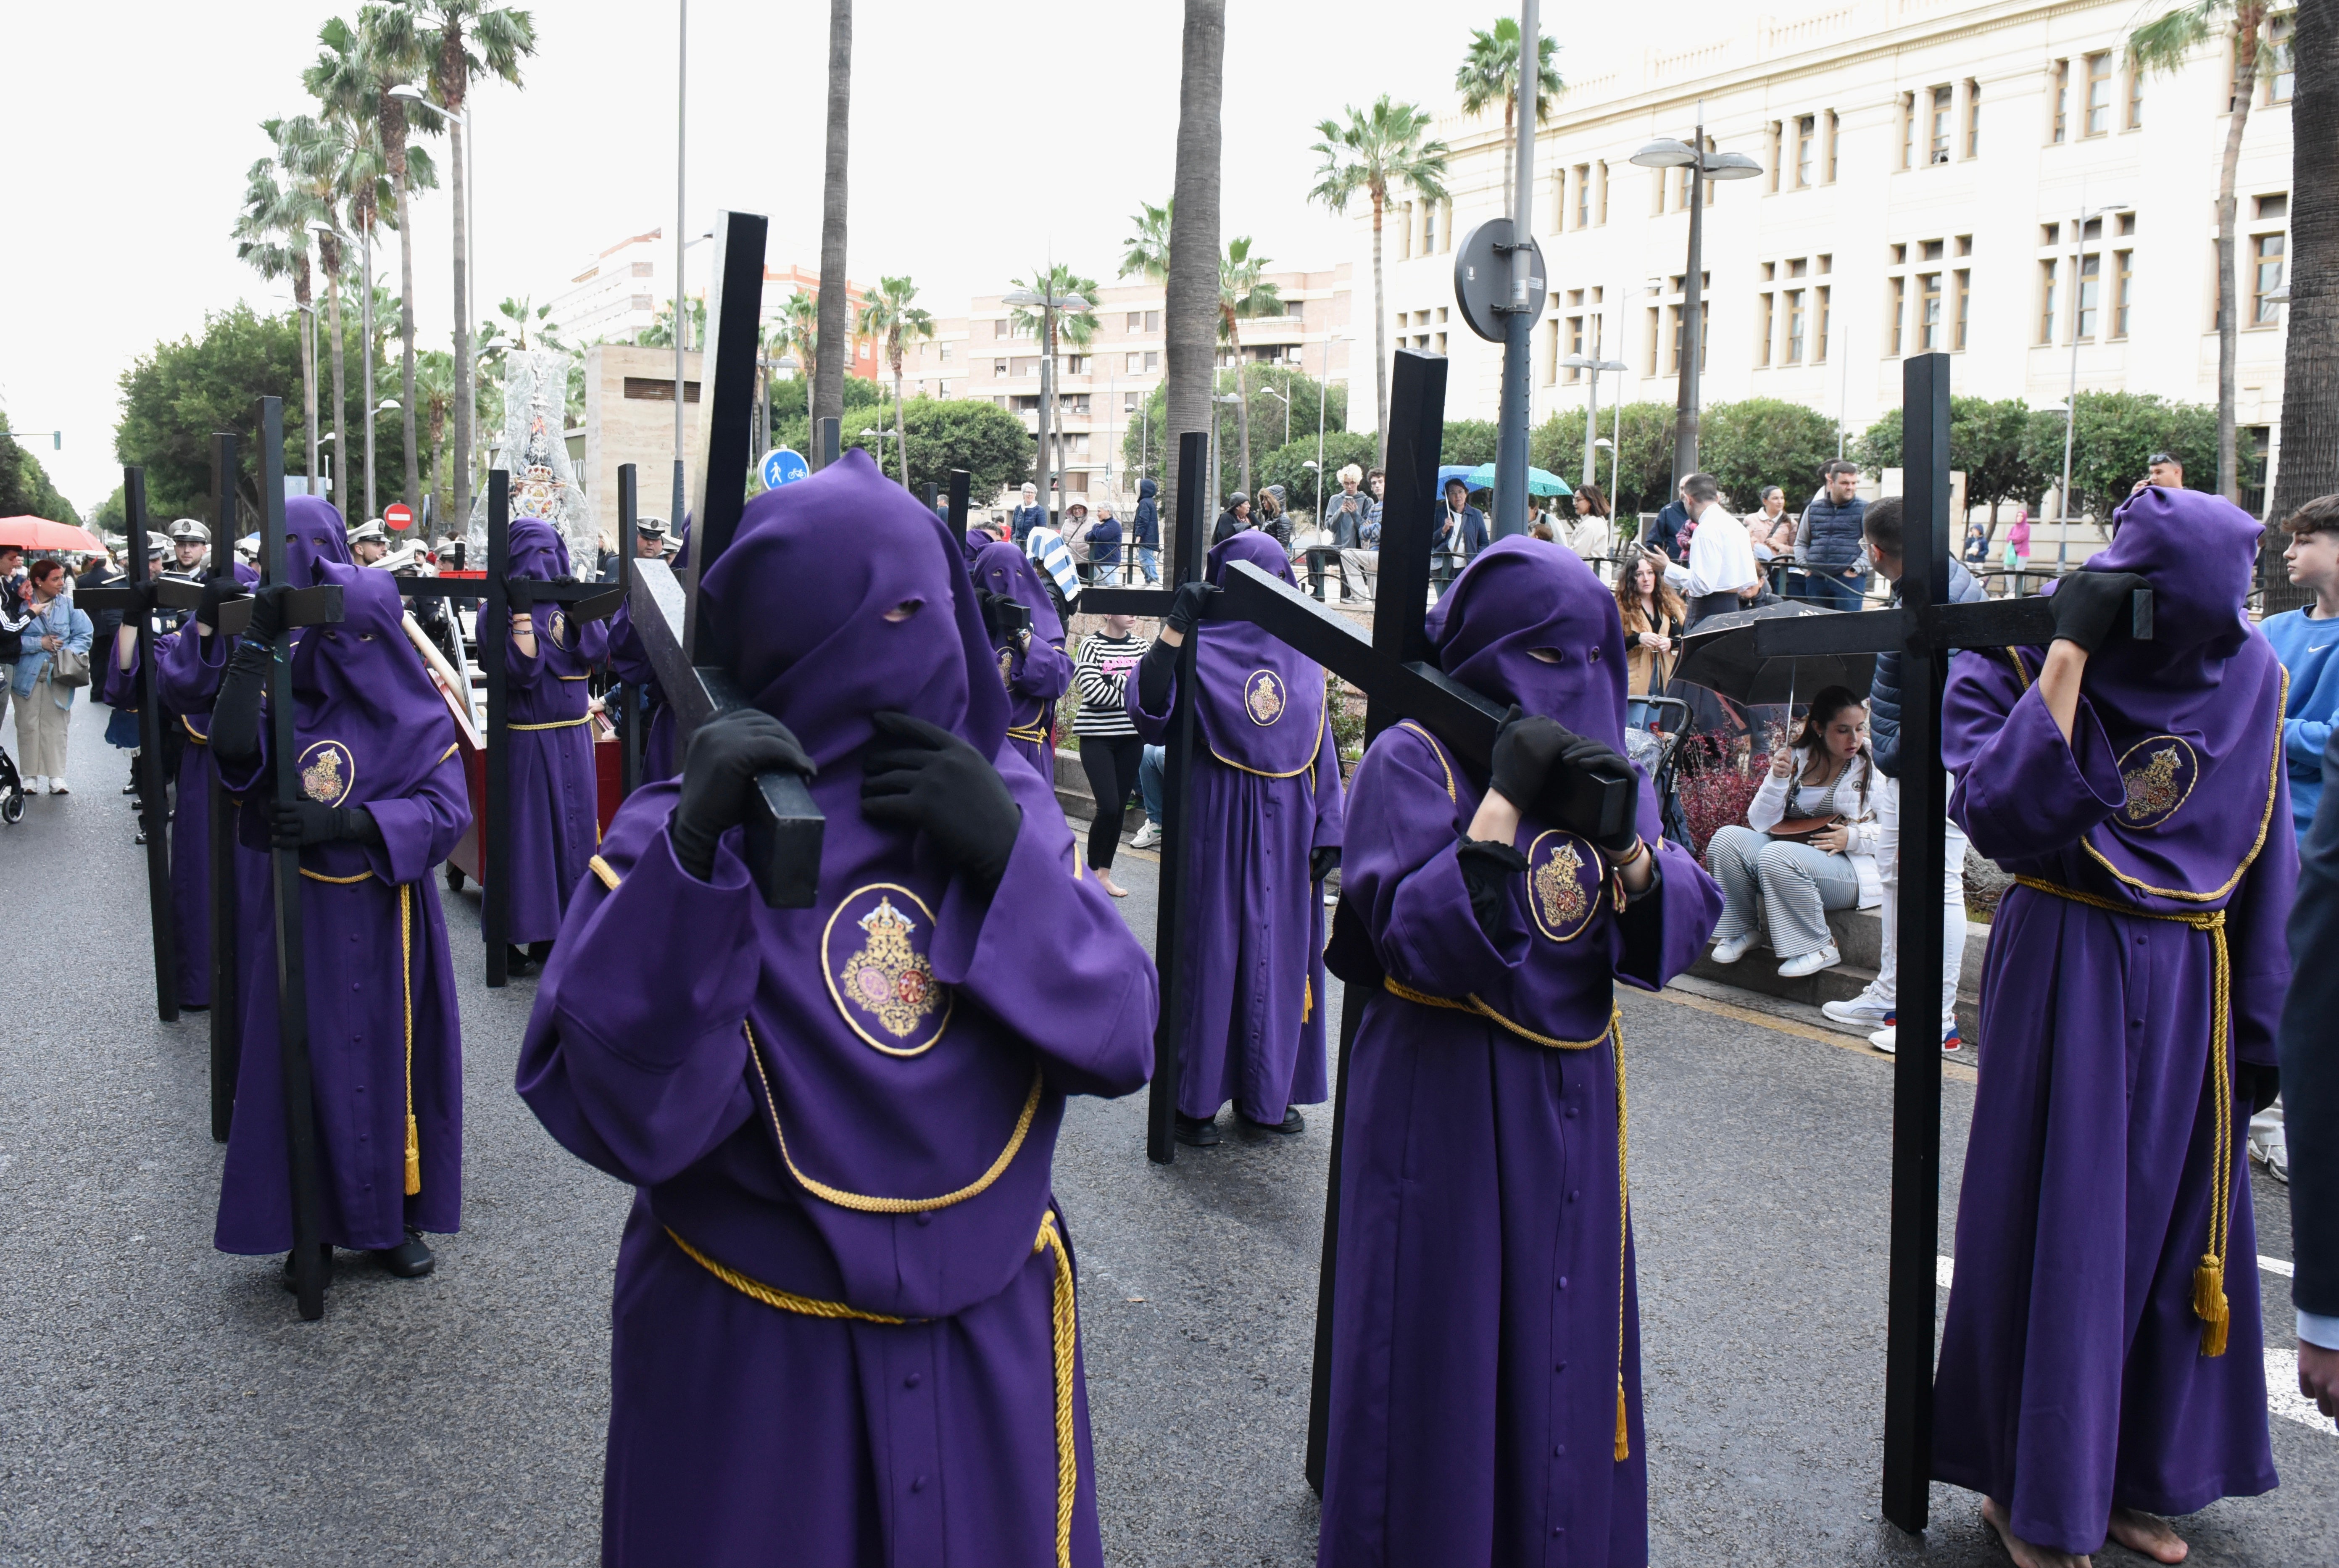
305 320
900 441
1192 305
1242 407
413 491
466 394
1380 340
2310 378
1510 148
835 310
2246 20
340 391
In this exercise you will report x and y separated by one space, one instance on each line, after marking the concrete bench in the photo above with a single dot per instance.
1860 938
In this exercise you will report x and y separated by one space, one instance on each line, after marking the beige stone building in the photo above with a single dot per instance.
1925 165
629 419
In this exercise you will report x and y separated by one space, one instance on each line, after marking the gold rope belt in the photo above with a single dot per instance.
194 734
406 971
554 724
1063 1335
1616 1031
1037 734
2209 1303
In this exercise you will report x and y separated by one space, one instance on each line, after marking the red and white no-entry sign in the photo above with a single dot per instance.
399 515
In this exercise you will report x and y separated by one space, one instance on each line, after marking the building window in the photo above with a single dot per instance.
1807 145
2284 75
1653 345
1152 359
1030 367
1777 162
1673 367
2062 101
1819 327
1574 329
1928 313
2275 206
2099 93
2134 112
2047 301
1429 228
2123 289
1908 130
1833 125
1130 364
1973 119
1944 110
1135 321
1899 314
2091 270
999 327
1153 321
1583 195
2265 277
1130 401
1795 326
1762 330
1076 365
1960 312
999 369
1602 217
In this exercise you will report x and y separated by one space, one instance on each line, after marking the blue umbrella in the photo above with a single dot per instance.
1540 482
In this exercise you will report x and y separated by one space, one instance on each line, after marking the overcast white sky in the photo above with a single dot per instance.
982 133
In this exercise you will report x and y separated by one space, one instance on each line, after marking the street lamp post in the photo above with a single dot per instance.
1048 304
1668 154
1323 385
1597 366
1280 398
1217 401
2071 397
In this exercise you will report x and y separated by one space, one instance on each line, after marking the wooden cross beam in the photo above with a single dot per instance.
1923 630
154 784
961 484
227 1019
631 727
784 827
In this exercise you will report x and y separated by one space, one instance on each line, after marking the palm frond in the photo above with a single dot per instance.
2161 45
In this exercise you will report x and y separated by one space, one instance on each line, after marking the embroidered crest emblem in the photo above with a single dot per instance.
886 988
1006 666
1264 698
328 772
1564 879
2158 773
557 631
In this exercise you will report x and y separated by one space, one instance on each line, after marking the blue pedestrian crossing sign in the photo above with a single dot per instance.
782 466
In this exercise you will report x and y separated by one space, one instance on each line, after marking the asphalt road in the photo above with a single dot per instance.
160 1403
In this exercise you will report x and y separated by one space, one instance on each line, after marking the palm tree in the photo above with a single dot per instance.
508 332
314 154
1490 70
797 332
272 235
464 40
1244 294
835 326
888 316
2310 380
434 388
390 45
1192 274
1148 255
1373 153
2161 46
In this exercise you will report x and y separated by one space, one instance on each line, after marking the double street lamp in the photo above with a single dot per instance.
1048 304
1598 367
1668 154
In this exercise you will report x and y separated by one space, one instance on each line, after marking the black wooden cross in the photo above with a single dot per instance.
1923 630
153 783
227 1017
784 827
633 723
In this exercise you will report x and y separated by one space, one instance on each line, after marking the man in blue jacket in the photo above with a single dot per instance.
1145 531
1029 515
2310 1084
1460 532
1828 540
1881 529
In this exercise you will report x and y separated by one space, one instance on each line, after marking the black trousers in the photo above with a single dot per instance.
1110 762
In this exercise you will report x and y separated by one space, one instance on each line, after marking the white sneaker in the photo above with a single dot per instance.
1810 963
57 786
1147 836
2271 1150
1952 1048
1732 951
1866 1011
37 784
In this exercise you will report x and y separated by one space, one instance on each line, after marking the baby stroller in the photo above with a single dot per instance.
12 790
1654 728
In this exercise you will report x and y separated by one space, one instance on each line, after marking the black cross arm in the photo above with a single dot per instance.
590 601
1591 802
784 827
1126 601
2027 622
320 605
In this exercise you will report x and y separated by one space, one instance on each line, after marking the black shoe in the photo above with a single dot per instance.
537 952
410 1259
139 837
1292 1122
1198 1131
517 962
325 1250
194 1007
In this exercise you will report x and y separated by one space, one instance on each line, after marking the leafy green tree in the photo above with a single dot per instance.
1761 442
1641 482
1147 252
1244 294
1145 454
1468 441
24 486
273 238
2112 435
864 402
1289 466
1989 443
979 435
111 520
889 317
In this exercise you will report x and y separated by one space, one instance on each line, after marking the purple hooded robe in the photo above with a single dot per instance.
873 1378
556 824
385 1042
2073 1374
1036 673
1486 1329
1266 792
629 661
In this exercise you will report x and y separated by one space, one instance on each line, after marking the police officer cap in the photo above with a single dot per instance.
650 528
186 530
371 532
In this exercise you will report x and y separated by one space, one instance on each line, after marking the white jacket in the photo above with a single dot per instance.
1855 798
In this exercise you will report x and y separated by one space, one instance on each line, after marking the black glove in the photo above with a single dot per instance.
1588 756
1188 607
718 781
217 591
292 824
1526 748
1487 867
2091 606
1004 616
922 777
269 612
1323 861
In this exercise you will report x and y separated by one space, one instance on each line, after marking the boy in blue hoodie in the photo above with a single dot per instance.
2307 639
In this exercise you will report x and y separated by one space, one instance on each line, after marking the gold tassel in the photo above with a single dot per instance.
1623 1435
2209 1304
413 1157
1306 998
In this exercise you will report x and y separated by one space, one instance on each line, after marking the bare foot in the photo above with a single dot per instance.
2024 1553
2148 1535
1104 880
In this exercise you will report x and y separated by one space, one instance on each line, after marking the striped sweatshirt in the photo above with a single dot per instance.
1101 674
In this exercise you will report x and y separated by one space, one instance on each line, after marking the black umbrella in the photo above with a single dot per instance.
1720 656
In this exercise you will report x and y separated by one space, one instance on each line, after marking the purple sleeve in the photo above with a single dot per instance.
1331 800
642 1075
629 660
118 688
2256 926
188 669
1650 952
1152 725
419 829
1048 956
1400 867
593 642
1046 675
2023 792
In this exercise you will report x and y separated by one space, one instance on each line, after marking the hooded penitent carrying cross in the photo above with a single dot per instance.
2102 1347
844 1325
1925 629
1031 660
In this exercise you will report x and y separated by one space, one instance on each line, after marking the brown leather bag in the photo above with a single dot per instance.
1799 829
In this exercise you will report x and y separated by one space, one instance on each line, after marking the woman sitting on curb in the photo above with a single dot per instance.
1809 845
